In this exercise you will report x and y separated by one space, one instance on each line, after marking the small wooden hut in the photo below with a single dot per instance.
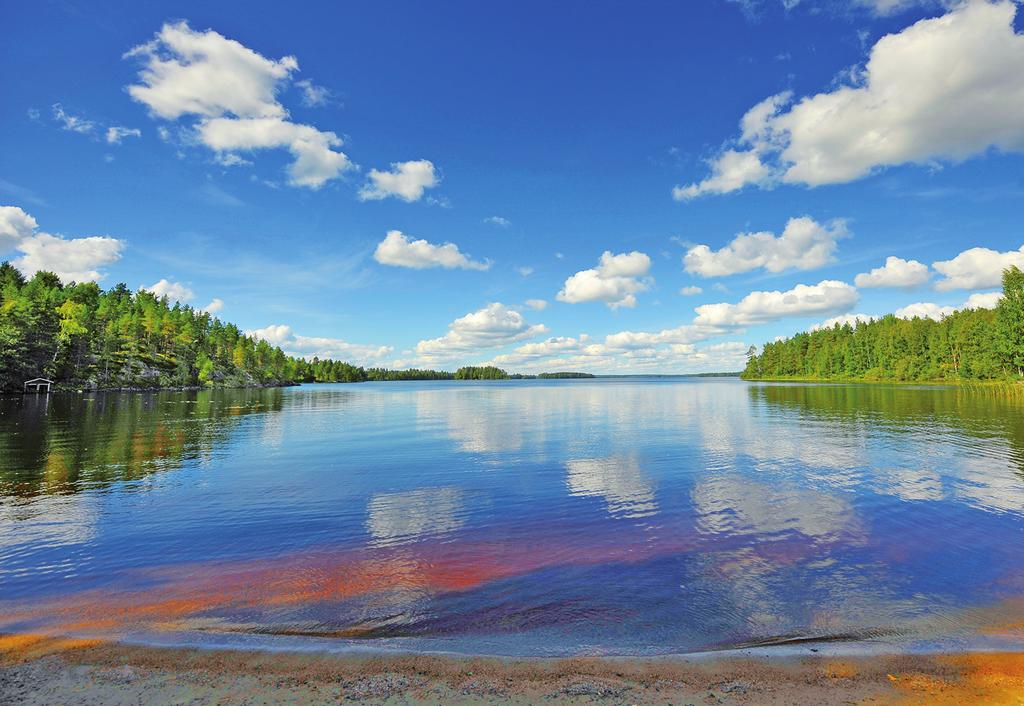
38 385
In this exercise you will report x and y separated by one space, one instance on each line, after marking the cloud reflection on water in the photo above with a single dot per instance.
49 521
479 421
398 518
989 483
736 505
910 483
617 480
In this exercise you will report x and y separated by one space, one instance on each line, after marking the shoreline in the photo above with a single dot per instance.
35 669
70 389
959 384
61 389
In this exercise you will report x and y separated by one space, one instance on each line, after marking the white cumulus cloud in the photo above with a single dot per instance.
15 227
923 310
976 268
986 300
730 171
943 89
308 347
276 334
681 335
315 162
406 181
175 291
214 306
930 310
897 273
842 320
804 244
542 349
629 351
616 281
493 326
398 250
71 259
204 73
231 91
826 297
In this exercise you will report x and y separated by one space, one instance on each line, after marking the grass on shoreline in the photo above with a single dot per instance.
1013 388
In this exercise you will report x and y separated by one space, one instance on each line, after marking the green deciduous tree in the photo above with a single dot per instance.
1010 320
970 344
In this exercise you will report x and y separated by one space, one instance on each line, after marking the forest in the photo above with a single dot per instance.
967 345
83 337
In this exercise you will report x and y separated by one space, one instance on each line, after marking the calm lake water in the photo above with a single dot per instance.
525 517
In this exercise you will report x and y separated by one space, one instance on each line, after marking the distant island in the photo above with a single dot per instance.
626 376
968 345
331 371
83 337
558 376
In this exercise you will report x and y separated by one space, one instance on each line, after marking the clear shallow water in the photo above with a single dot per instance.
527 517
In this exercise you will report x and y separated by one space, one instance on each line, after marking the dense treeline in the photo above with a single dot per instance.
383 374
84 337
970 344
487 372
551 376
333 371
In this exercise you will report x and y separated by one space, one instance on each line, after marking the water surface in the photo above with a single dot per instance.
524 517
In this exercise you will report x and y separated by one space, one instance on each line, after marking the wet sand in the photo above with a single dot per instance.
43 670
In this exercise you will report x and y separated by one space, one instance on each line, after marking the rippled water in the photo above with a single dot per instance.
529 517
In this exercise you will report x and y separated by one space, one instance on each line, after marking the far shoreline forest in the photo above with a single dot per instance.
969 345
83 337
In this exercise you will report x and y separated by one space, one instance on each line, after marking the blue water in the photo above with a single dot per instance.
632 516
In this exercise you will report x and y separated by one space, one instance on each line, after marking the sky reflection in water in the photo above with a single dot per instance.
562 517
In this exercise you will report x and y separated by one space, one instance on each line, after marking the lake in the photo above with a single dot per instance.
609 516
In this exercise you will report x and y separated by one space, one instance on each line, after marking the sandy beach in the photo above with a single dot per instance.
42 670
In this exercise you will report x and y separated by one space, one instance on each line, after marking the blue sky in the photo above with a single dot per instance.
281 166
